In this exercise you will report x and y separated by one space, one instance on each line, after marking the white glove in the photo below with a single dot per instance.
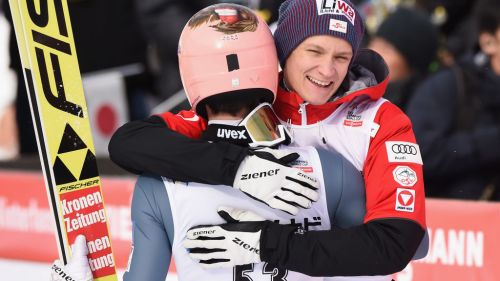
225 245
240 242
264 177
237 215
78 267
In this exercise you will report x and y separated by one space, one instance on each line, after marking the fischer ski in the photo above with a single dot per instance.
52 77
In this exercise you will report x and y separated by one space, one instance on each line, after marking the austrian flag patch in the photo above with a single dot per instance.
405 200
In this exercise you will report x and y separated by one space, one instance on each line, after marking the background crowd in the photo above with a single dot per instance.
443 58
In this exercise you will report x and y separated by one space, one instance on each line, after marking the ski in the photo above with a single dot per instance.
52 77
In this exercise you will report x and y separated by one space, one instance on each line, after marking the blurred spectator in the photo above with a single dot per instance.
107 36
375 11
455 21
408 42
9 146
456 118
117 37
26 132
113 39
162 22
268 9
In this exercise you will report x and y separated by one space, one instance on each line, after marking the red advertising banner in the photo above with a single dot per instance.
84 209
464 235
464 243
27 225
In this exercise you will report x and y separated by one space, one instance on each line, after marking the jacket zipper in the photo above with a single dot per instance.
303 113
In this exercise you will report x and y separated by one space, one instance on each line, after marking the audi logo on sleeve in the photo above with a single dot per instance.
404 149
403 152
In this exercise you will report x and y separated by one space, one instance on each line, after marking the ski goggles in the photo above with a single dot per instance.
264 128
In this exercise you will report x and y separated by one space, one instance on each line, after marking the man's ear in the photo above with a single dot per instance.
209 111
489 43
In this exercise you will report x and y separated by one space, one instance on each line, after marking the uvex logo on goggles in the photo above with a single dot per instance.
231 134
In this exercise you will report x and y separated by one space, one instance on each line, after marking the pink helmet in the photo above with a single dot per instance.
227 49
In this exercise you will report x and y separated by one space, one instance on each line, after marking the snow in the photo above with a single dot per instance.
20 270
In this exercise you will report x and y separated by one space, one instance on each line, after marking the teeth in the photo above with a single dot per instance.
318 82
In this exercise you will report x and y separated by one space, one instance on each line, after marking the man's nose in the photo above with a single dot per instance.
327 68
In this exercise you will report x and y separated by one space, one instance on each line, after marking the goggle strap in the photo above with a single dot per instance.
227 133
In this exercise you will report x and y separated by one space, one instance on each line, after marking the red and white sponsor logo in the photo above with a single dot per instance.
350 123
305 169
405 176
338 25
303 165
405 200
83 213
353 119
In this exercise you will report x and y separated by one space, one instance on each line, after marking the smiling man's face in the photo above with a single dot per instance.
317 67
